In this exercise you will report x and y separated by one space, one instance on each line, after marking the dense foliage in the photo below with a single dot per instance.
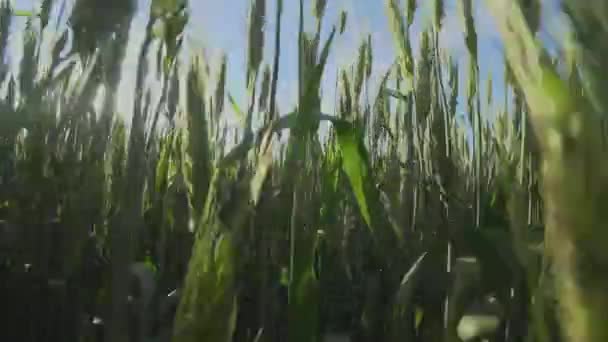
393 226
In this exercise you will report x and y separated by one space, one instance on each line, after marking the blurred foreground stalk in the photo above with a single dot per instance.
568 125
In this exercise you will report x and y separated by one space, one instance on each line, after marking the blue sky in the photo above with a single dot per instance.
220 26
223 25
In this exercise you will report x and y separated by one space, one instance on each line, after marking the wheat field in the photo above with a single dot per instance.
396 224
